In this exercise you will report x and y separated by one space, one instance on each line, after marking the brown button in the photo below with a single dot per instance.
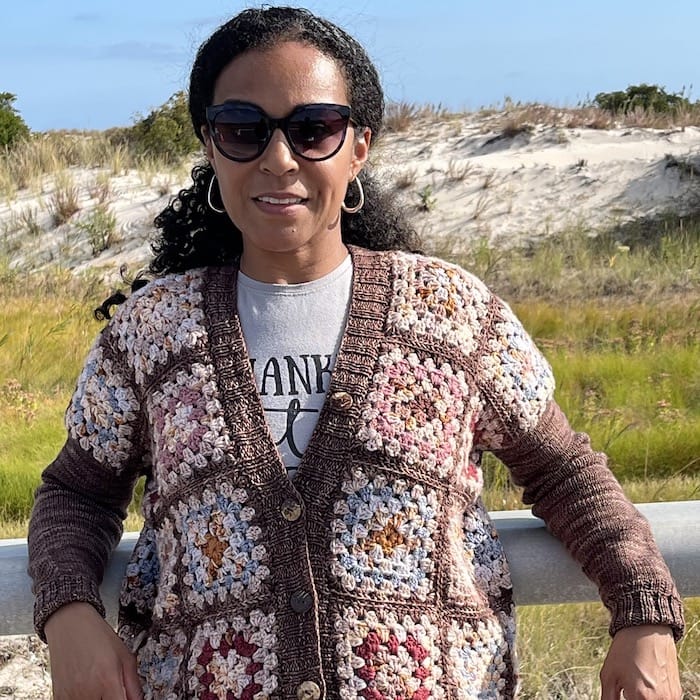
291 510
301 601
308 690
341 400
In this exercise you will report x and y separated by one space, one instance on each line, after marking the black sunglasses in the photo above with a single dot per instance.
241 130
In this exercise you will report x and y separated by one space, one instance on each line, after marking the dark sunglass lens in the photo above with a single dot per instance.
240 132
317 132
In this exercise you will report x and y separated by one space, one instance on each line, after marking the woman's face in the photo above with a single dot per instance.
305 228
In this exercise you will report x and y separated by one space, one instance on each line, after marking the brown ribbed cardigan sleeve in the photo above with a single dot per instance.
571 488
569 485
79 507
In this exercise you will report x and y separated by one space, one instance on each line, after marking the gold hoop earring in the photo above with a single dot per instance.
209 192
361 201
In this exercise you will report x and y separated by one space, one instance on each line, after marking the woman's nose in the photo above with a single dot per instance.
278 157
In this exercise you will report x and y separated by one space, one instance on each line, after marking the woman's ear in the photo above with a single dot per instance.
360 150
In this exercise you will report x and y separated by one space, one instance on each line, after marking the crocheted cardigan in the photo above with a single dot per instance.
376 572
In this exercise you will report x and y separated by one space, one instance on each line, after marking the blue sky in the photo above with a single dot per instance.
91 65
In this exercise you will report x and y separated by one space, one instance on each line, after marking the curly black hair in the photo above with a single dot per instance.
190 233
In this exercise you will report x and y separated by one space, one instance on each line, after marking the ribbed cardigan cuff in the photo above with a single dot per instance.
632 608
60 591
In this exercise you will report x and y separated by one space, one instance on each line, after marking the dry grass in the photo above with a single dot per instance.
562 648
28 221
48 154
100 190
483 202
458 170
645 261
64 201
406 178
401 116
514 118
515 127
27 164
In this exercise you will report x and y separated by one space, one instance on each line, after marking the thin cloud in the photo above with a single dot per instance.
141 51
136 51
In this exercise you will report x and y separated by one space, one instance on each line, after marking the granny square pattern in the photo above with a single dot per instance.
158 663
387 656
433 298
160 320
188 422
521 381
480 654
142 573
234 659
383 536
222 552
417 410
102 411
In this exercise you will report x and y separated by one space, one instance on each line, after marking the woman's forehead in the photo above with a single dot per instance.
288 71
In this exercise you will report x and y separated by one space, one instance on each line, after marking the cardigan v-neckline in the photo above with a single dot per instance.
243 408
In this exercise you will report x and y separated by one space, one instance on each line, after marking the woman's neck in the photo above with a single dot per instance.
293 267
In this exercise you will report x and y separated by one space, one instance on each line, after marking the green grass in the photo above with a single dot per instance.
643 261
562 648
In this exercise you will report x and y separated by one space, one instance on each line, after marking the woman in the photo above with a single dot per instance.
310 412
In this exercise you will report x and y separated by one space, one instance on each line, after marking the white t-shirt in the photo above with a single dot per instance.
293 332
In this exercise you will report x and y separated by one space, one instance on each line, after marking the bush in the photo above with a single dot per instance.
100 227
166 133
12 126
649 98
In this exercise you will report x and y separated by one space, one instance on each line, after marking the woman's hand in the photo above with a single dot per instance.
641 662
88 660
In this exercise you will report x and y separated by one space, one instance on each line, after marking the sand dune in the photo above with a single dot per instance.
461 179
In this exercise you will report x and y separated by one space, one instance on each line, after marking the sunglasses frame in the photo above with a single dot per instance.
213 111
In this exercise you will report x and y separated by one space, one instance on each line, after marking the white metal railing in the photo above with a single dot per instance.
542 570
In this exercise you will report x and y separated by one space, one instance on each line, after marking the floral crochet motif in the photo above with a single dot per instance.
418 411
438 299
478 576
480 652
159 663
234 659
384 537
141 575
485 552
221 551
160 320
384 656
188 424
102 411
517 381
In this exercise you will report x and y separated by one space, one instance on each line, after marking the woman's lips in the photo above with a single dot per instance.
279 204
280 200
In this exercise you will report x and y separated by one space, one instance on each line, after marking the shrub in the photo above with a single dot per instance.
427 200
649 98
100 227
165 134
12 126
